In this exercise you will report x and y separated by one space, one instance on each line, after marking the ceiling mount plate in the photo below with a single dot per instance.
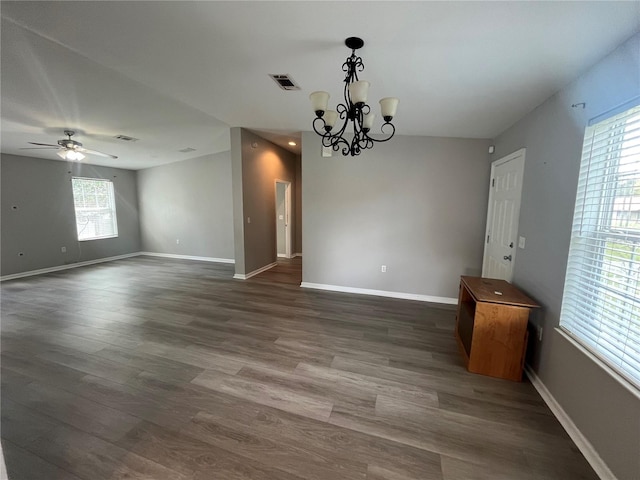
354 43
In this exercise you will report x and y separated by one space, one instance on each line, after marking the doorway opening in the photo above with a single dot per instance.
288 268
283 219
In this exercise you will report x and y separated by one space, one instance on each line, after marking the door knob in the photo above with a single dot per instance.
507 257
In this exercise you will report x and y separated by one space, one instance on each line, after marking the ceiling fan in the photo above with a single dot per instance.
69 149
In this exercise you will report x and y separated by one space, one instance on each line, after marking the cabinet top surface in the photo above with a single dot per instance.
484 290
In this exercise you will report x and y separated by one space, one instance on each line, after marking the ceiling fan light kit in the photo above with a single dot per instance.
354 110
70 155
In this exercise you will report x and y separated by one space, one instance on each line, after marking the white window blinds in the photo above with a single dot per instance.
601 303
95 208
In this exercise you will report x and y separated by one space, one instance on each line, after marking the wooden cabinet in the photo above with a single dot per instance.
491 326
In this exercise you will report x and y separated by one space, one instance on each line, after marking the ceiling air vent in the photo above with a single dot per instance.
126 138
187 150
284 81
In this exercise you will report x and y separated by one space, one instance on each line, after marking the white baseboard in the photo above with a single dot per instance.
41 271
189 257
585 447
381 293
293 255
245 276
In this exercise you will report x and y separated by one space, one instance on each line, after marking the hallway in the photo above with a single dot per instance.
288 271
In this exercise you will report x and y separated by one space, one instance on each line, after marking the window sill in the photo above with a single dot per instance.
97 238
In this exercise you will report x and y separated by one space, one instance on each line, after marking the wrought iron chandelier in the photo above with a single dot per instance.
353 111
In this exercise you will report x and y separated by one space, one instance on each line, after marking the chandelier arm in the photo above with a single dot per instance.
393 132
344 115
335 143
359 141
329 139
343 110
320 131
332 141
364 141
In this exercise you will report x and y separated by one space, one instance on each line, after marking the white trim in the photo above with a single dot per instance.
189 257
41 271
245 276
585 447
3 467
381 293
299 254
97 238
282 255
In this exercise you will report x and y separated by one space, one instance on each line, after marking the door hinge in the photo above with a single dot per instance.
487 238
493 182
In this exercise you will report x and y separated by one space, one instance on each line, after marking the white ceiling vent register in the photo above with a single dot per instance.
284 81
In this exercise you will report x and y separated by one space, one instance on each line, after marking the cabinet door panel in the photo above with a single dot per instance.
498 340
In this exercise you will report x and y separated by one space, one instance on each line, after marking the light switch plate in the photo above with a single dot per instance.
521 242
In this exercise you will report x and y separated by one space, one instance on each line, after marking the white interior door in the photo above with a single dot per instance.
505 192
283 218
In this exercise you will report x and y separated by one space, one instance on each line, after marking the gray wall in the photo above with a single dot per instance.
45 219
189 201
604 411
415 204
259 163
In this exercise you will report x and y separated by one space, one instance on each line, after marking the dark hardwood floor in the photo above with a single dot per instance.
158 369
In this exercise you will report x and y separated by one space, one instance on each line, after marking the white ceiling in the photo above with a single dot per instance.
178 74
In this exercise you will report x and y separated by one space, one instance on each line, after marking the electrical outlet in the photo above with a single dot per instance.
177 241
63 249
248 219
383 269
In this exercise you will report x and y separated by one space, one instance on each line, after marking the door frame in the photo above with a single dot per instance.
496 163
287 216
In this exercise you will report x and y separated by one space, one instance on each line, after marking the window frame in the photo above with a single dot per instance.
112 207
597 235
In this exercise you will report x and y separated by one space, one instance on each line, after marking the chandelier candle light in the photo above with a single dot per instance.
354 110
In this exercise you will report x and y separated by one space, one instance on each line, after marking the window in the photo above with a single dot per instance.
95 208
601 303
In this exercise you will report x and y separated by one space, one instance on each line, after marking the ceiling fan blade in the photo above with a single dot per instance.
94 152
44 144
40 148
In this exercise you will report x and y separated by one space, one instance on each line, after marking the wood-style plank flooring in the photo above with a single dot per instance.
147 368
